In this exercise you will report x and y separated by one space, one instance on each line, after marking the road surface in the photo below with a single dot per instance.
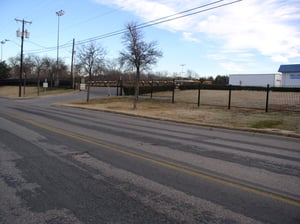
67 165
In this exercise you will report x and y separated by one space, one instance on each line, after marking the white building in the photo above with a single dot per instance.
273 80
290 75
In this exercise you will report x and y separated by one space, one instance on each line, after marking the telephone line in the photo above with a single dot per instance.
157 21
182 12
189 14
160 20
164 19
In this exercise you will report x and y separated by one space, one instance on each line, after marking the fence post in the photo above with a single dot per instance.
173 93
121 87
151 89
118 84
267 100
199 87
229 97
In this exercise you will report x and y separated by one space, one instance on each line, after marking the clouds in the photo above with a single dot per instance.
264 26
270 27
189 37
150 10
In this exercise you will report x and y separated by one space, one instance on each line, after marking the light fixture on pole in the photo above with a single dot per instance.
182 65
59 14
3 42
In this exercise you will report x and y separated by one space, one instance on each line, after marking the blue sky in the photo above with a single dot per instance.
250 36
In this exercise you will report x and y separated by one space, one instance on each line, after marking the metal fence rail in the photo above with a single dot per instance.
260 98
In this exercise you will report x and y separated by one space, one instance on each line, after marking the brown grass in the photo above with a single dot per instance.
13 91
185 108
241 99
279 122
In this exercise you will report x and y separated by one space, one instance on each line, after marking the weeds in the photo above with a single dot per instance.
266 124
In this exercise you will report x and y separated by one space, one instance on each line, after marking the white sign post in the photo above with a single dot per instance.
45 84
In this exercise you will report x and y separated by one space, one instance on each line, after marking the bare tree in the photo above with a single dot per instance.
4 70
14 63
28 67
91 58
38 62
138 54
191 74
49 65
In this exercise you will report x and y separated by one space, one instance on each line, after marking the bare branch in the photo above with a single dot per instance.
137 54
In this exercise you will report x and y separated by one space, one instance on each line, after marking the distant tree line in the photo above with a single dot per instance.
132 65
45 68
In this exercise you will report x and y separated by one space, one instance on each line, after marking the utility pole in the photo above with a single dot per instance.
72 65
22 34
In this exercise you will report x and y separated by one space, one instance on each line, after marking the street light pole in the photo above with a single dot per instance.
59 14
182 65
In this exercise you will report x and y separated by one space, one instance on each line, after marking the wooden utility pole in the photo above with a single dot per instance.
72 65
22 34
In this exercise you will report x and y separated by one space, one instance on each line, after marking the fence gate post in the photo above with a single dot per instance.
229 98
121 87
118 84
173 93
151 88
267 100
199 87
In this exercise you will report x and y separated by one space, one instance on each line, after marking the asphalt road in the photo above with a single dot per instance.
66 165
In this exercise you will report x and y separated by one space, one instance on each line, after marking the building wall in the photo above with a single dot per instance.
255 80
291 79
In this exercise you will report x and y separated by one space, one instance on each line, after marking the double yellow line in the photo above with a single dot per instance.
163 163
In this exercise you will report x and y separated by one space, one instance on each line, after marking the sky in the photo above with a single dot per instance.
245 37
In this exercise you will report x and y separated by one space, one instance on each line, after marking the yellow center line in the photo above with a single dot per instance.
163 163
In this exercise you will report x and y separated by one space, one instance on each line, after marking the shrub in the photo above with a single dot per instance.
129 90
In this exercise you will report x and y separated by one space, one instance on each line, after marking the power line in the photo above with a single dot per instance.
36 44
190 14
162 20
179 15
182 12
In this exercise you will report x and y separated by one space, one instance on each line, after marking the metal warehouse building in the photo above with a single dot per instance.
288 76
255 80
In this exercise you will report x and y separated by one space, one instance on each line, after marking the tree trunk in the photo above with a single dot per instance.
137 88
88 93
88 90
38 83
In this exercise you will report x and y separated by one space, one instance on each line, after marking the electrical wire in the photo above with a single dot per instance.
161 20
190 14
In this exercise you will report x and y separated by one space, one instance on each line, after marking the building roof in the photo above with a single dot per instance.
289 68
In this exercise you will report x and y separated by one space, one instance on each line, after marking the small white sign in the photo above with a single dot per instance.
82 86
45 84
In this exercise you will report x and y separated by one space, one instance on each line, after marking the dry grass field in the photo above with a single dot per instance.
161 107
13 91
240 99
212 111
